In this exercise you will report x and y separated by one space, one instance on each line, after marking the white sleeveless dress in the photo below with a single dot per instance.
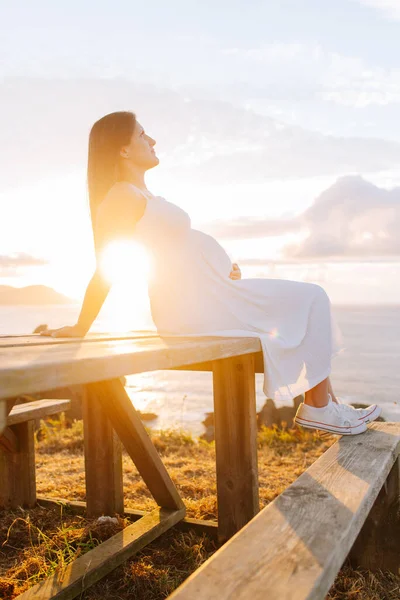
192 295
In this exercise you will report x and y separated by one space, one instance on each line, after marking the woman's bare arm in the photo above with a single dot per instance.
95 296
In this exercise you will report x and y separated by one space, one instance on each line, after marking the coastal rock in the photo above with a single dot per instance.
281 417
269 416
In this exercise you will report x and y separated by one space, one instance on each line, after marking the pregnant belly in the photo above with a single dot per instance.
213 254
185 293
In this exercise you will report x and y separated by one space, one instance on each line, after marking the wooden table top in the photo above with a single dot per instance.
35 363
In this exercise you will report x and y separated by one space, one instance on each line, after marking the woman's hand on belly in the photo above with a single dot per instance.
235 273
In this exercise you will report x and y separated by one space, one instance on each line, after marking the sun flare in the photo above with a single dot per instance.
127 267
122 260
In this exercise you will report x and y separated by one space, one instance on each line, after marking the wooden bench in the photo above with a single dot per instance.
17 460
348 501
30 364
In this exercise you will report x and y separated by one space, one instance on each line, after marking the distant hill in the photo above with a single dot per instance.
32 294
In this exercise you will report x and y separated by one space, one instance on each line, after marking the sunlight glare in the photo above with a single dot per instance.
124 259
126 265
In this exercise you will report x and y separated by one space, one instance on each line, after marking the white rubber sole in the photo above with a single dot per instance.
338 430
374 414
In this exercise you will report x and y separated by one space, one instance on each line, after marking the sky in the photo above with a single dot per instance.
277 128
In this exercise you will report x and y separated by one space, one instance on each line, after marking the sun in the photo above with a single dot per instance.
122 260
127 267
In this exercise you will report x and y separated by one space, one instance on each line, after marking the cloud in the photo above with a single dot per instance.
353 218
198 140
352 82
251 227
390 8
309 69
21 259
276 51
11 263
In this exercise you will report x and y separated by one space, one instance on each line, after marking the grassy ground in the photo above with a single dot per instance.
35 543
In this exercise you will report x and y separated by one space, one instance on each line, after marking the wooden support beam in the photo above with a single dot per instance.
235 419
17 469
39 409
5 409
377 546
199 526
114 400
95 564
103 460
9 441
3 416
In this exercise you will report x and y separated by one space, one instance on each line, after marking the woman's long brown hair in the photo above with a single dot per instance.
106 138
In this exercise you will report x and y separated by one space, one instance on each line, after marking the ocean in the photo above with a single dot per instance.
367 371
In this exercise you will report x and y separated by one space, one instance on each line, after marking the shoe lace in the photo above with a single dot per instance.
343 408
348 409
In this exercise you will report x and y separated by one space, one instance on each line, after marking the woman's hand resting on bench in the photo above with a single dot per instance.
69 331
235 273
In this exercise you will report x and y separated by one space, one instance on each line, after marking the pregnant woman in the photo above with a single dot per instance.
194 290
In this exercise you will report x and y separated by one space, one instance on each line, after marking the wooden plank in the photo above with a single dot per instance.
200 526
26 370
34 339
235 419
295 546
377 546
95 564
17 469
103 460
117 405
36 410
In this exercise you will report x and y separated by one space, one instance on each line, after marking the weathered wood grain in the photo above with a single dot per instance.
36 339
97 563
36 410
103 460
17 469
3 415
25 370
8 440
377 546
6 405
117 405
293 549
235 420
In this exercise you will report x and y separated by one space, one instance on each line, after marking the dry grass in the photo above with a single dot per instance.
35 543
354 584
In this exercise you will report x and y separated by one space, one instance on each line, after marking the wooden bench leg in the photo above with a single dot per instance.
235 421
378 543
117 405
103 460
17 468
5 409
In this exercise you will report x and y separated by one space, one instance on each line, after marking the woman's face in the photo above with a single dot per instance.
140 150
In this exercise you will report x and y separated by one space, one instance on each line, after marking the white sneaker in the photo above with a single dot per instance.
334 418
368 414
